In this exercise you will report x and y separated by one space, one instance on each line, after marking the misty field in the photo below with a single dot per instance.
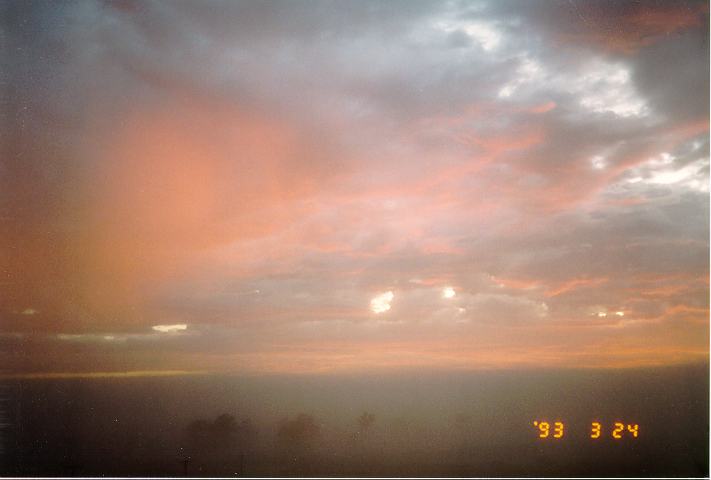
426 424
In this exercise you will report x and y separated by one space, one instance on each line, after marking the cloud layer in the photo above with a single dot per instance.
250 186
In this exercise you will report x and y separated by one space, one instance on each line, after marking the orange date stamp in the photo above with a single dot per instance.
617 430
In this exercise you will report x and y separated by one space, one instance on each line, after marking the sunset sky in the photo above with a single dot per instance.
306 187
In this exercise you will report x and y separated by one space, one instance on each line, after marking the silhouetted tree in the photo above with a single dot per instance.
199 433
222 433
301 432
223 436
297 440
365 421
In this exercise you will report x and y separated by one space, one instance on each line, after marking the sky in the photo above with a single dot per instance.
352 186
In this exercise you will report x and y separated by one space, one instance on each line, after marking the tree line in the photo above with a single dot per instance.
224 435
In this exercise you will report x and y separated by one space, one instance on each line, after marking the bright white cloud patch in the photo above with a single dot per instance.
102 338
667 170
29 311
483 33
527 72
170 328
448 292
598 162
381 303
606 88
687 176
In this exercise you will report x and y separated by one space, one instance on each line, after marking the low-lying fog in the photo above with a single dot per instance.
407 424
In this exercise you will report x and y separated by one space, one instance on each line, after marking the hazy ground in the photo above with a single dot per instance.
428 424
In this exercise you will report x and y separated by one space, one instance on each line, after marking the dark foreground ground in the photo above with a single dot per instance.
429 424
